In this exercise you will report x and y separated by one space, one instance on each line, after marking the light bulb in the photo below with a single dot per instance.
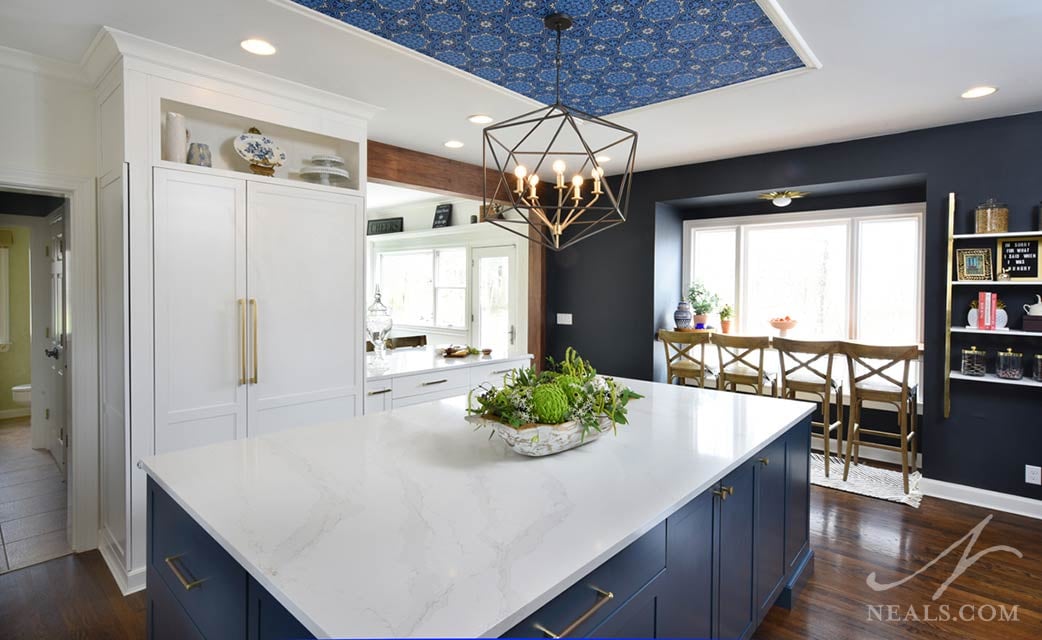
533 179
520 171
577 180
559 167
782 201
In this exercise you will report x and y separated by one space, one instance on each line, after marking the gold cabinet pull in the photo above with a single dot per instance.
501 372
764 461
723 492
170 562
253 308
378 392
433 382
603 598
242 341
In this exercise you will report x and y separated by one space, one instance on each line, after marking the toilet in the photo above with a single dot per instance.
22 394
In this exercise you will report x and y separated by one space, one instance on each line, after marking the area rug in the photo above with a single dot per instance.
866 480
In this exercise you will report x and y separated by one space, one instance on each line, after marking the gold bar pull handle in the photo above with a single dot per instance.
242 341
603 598
764 461
188 585
253 308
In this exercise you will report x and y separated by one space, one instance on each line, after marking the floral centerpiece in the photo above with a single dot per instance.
539 414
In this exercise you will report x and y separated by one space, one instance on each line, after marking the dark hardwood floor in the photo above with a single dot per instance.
75 597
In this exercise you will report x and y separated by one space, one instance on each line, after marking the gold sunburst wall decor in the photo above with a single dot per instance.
782 198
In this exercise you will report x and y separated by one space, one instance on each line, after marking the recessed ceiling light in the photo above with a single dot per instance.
978 92
480 118
258 47
453 144
603 159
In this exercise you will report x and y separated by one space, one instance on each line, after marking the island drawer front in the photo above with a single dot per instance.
166 620
441 394
492 374
209 584
623 576
431 382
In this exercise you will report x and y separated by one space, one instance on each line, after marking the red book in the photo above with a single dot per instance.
980 309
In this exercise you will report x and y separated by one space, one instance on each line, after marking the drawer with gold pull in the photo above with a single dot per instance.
593 599
209 584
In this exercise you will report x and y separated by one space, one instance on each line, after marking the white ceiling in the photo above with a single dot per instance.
887 66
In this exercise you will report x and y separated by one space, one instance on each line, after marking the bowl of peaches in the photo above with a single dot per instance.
783 325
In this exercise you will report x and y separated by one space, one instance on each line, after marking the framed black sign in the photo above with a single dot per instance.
382 226
442 215
1018 258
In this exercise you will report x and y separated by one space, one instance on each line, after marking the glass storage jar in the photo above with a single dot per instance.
1009 365
1037 375
972 362
992 217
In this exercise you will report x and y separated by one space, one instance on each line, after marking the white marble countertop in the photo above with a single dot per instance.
396 362
408 523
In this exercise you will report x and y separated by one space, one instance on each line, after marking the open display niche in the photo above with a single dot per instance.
218 129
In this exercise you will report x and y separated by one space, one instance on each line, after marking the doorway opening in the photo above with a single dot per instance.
34 389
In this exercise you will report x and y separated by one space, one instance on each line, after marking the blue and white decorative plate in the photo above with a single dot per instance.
259 149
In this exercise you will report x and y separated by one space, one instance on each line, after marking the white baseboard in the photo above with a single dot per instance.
1018 505
867 453
128 582
18 412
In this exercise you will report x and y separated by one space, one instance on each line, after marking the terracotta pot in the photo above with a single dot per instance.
699 318
725 326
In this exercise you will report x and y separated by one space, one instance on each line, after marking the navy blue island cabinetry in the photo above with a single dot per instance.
711 569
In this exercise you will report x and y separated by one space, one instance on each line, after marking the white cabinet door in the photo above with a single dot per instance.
377 397
305 292
200 291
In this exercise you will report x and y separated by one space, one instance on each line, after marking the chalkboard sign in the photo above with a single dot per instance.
442 215
1020 258
383 225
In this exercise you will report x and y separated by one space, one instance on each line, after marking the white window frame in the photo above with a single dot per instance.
5 298
433 251
851 217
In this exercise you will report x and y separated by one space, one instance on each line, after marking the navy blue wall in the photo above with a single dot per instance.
621 285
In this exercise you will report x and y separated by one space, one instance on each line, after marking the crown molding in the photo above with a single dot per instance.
41 65
139 52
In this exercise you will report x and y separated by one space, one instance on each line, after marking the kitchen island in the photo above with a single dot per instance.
408 523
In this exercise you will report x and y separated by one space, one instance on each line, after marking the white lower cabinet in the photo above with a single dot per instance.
407 389
256 287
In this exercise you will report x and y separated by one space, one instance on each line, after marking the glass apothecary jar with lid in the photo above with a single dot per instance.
992 217
1009 365
1037 372
973 362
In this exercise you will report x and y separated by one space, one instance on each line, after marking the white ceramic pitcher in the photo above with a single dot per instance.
1034 309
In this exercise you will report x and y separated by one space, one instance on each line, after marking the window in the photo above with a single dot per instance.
425 288
843 274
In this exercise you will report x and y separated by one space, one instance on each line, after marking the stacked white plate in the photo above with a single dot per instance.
326 170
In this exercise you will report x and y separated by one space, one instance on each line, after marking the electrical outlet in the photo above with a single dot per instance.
564 318
1032 474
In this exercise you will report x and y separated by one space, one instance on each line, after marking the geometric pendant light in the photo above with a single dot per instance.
548 164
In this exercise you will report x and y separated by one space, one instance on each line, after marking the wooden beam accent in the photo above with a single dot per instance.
405 167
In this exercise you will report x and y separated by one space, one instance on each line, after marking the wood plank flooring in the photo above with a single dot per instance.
76 597
32 500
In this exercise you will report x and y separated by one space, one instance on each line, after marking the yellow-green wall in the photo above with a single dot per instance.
14 364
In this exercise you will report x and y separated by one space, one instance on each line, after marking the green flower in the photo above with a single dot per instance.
550 404
571 386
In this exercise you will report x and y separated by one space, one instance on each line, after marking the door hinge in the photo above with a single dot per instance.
47 251
47 414
47 332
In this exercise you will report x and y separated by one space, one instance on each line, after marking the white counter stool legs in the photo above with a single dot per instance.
880 374
802 363
741 363
685 356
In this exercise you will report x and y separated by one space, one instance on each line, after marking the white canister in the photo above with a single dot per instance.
175 139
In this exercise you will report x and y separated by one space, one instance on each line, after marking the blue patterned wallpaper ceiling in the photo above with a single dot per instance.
619 55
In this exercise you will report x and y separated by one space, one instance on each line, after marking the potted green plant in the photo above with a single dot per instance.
539 414
726 314
703 301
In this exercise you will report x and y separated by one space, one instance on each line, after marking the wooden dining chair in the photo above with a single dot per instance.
741 363
806 367
881 374
685 356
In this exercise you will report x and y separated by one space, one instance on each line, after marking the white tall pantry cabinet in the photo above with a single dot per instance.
231 305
